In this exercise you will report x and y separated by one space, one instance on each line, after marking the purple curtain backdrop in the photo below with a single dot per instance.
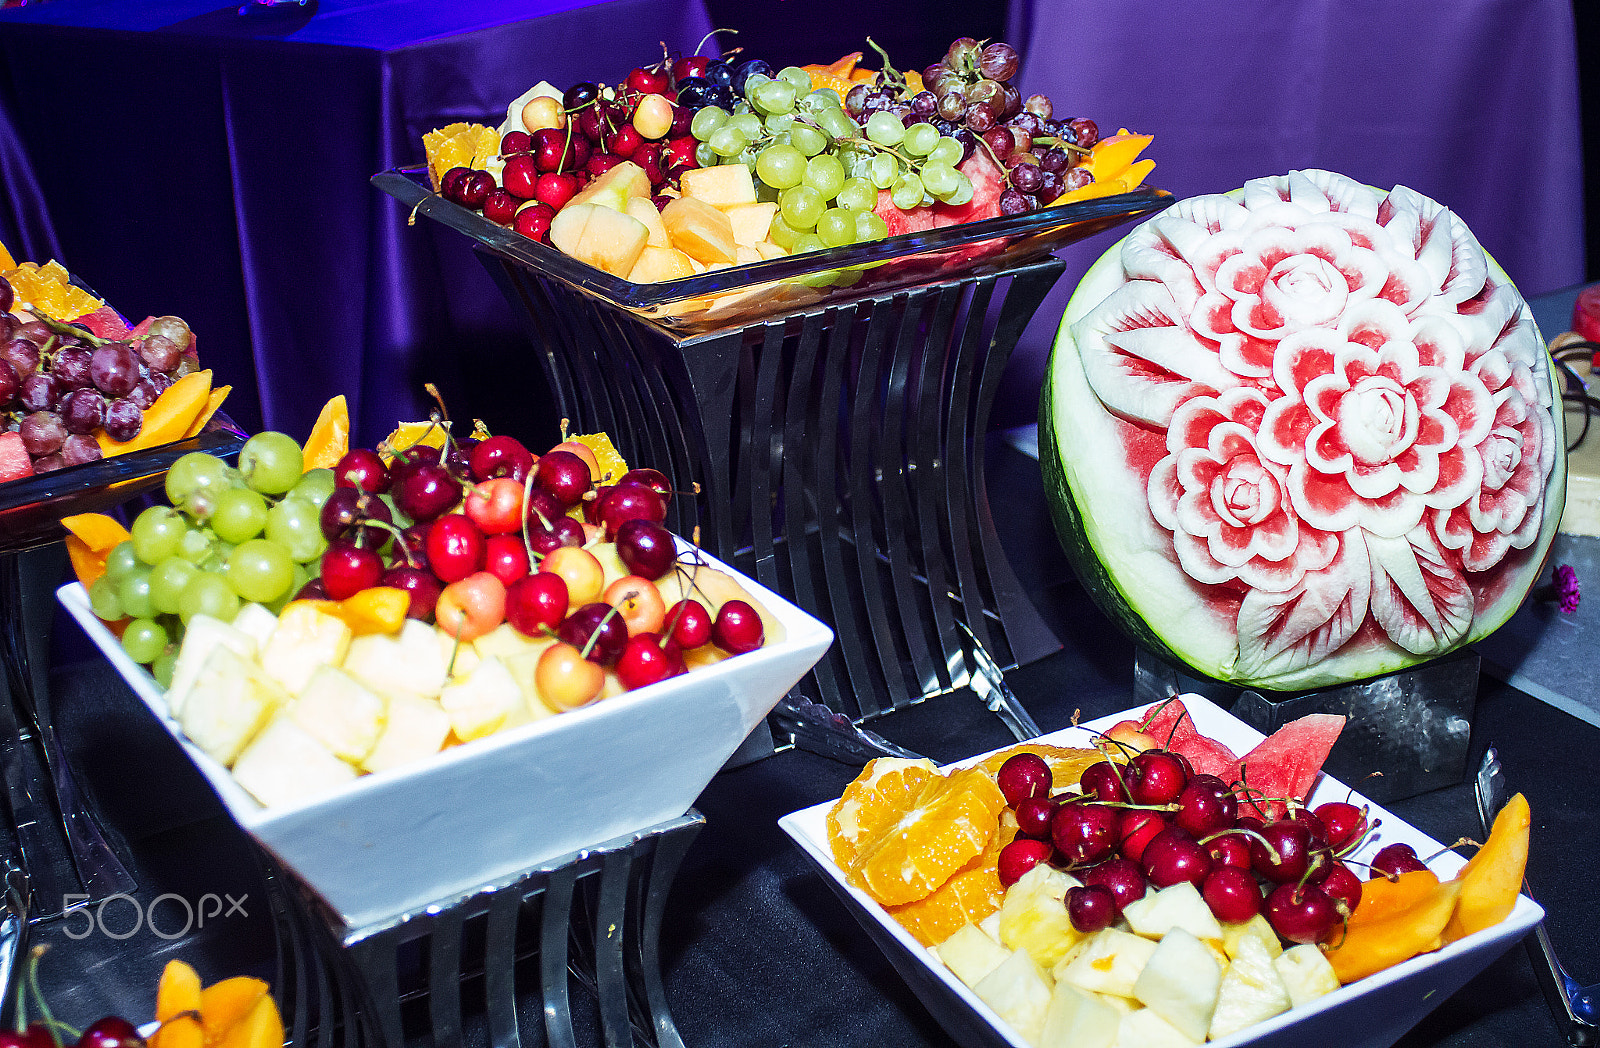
214 166
1473 103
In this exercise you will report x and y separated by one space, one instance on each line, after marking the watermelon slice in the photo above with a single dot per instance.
1248 447
1286 763
14 461
1172 726
104 322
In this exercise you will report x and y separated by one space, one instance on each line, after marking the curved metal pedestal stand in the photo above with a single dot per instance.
838 453
498 966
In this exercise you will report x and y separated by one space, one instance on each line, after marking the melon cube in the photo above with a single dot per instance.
744 254
699 230
615 187
722 186
414 729
751 222
767 249
605 239
660 263
645 211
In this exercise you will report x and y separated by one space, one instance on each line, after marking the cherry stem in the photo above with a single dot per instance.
399 537
455 649
594 638
1277 856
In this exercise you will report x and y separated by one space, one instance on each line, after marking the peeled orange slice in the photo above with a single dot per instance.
458 145
886 787
912 849
607 458
49 290
971 894
1067 763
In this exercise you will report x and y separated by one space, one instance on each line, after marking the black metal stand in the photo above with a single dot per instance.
497 966
1405 733
838 453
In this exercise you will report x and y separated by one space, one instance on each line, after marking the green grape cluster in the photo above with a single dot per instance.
231 535
822 168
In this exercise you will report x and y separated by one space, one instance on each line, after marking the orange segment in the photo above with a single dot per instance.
48 289
6 261
885 788
409 435
458 145
213 401
330 437
951 821
608 460
1067 763
971 894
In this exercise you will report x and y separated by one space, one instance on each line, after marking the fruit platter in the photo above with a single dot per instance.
1132 881
94 408
707 192
404 669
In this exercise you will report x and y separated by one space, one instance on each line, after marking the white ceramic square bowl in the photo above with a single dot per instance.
1372 1013
390 842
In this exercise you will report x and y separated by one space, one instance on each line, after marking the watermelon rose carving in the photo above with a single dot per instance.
1336 415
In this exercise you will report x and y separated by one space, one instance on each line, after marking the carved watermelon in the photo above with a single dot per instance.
1302 434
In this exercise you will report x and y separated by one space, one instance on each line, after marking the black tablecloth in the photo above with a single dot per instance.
757 951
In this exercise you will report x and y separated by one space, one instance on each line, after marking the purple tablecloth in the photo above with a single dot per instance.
214 166
1474 103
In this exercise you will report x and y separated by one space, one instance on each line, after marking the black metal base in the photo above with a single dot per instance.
838 458
496 967
1405 733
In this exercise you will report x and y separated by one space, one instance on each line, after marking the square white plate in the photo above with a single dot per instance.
393 841
1372 1013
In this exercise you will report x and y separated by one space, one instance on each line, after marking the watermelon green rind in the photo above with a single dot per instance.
1126 562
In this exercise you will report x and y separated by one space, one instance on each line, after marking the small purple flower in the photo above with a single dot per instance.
1563 589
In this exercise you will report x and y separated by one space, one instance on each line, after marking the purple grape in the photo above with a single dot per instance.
998 61
115 369
123 420
1055 159
83 410
7 295
8 383
42 433
174 330
160 352
1038 105
1075 178
35 331
22 354
40 392
49 463
1027 177
8 324
80 448
979 116
1087 132
923 103
72 368
1012 202
952 105
855 101
144 394
1029 123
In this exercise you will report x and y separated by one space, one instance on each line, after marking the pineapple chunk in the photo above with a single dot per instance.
406 663
1145 1029
306 637
255 622
1033 917
1251 991
1306 974
523 667
484 702
415 728
339 713
1177 906
1255 928
971 954
286 764
504 641
202 635
1019 993
230 701
990 925
1110 962
1076 1019
459 659
1180 983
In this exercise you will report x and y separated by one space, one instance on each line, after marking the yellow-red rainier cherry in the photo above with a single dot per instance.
469 608
565 679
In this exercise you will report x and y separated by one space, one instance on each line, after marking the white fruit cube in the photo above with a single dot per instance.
1019 993
286 764
1145 1029
484 702
230 701
200 638
1255 928
1177 906
340 713
725 185
1251 991
306 637
1306 974
990 925
406 663
415 728
750 222
1076 1019
971 954
255 622
1110 962
524 668
1034 918
1180 983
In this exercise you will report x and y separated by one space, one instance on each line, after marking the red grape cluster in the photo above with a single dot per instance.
60 383
1153 822
970 88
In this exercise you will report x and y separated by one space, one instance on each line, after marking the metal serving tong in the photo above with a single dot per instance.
1572 1005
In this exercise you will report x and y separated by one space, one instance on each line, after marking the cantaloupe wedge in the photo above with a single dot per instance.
225 1004
213 401
1492 879
261 1027
178 999
725 185
168 419
699 230
660 263
90 538
644 209
1112 165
